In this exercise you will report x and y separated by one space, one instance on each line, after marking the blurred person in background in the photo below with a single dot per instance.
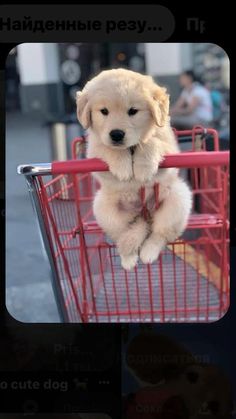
220 108
194 106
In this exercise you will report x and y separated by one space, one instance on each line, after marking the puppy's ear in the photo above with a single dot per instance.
83 109
160 105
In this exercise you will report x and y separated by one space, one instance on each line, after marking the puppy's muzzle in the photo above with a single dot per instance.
117 136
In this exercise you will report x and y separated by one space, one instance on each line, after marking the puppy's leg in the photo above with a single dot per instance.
120 227
130 241
169 221
119 161
147 158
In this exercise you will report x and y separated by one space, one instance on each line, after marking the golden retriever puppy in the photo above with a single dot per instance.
126 115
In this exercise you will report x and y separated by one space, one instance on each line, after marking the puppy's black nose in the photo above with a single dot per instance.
117 136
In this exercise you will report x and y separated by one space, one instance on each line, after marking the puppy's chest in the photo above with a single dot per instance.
129 202
134 201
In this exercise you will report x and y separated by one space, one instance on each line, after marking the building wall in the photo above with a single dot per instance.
40 88
42 59
165 61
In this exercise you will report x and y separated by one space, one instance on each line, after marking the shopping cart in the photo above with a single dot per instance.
190 280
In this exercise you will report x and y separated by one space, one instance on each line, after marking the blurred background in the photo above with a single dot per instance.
41 82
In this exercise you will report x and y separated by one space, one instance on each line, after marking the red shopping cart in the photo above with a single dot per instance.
190 280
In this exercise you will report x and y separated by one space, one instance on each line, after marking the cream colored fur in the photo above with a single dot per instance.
117 205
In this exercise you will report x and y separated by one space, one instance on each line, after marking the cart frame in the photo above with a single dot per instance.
32 172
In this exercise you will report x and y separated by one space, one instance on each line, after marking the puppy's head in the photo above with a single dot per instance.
122 107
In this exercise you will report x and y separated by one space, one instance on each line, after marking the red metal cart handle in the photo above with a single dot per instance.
186 160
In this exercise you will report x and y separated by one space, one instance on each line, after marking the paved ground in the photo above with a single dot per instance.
29 294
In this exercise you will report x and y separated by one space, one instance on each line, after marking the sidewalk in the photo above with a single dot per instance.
29 296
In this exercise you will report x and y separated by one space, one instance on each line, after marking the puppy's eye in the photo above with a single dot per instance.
132 111
104 111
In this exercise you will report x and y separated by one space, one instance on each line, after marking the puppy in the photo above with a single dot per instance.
127 118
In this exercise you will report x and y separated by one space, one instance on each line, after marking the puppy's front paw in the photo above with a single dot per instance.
131 239
129 262
121 168
144 172
151 250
